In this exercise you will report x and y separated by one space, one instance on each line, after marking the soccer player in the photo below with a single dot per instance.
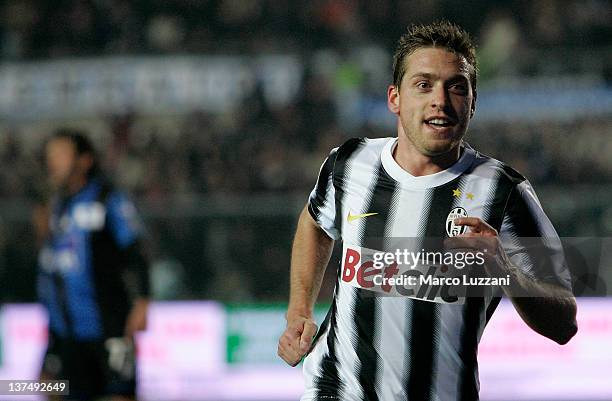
405 348
93 275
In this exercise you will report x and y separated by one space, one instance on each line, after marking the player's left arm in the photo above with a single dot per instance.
528 250
127 231
548 308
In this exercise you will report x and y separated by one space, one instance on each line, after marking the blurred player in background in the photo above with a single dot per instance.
93 275
400 348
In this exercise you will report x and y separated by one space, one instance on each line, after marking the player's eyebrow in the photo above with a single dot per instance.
424 75
455 78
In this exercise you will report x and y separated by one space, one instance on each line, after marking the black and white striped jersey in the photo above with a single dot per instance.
401 348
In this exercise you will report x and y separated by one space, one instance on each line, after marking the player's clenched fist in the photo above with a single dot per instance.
296 341
482 237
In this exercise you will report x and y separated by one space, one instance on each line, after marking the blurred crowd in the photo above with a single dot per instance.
261 148
42 29
258 149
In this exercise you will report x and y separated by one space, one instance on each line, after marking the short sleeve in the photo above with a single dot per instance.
530 240
322 200
122 219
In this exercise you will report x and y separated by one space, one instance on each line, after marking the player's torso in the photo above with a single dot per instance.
66 265
379 339
72 226
373 203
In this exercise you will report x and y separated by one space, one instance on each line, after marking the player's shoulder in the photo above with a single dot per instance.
357 151
362 146
503 171
104 189
109 194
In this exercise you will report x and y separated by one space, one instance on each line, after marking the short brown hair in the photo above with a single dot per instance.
443 34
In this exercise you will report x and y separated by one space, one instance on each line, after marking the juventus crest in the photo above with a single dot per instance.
451 229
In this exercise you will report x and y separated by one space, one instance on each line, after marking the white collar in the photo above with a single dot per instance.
430 180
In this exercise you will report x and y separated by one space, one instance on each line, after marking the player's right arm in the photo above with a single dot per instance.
127 231
311 251
312 247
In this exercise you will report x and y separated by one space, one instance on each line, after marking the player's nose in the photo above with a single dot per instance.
439 97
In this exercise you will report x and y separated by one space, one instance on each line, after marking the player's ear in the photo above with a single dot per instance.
393 99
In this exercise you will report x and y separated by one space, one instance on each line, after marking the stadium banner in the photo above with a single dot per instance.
81 88
189 337
252 331
203 350
1 334
90 87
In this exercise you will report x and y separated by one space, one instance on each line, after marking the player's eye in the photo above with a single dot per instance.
423 85
459 88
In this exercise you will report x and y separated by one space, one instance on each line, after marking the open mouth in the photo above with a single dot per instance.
440 122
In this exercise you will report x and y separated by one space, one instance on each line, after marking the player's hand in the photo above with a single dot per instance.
484 238
477 228
137 319
296 341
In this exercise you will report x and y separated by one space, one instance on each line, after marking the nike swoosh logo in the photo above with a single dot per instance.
352 217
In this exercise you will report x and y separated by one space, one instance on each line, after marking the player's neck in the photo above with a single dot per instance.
416 163
74 185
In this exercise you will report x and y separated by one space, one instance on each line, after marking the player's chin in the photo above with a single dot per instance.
437 147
